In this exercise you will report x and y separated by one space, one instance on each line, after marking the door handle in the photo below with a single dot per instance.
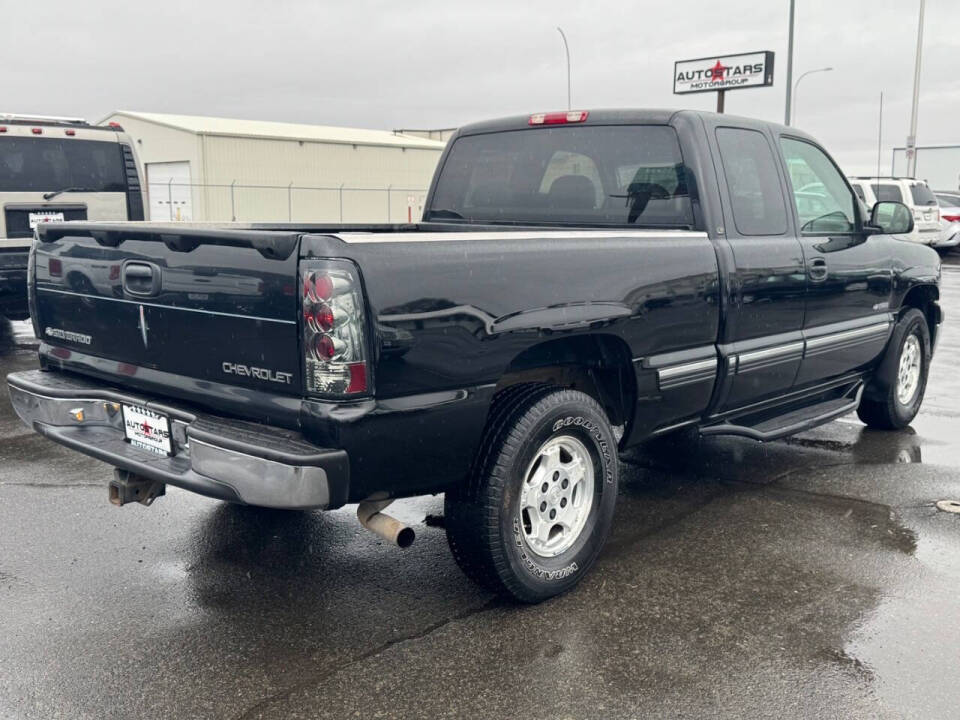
817 270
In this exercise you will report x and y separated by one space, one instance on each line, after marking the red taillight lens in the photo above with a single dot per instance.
325 347
56 267
324 318
114 272
323 286
358 378
318 286
559 118
951 218
37 131
71 133
3 128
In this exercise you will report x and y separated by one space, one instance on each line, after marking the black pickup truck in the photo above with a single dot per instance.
580 283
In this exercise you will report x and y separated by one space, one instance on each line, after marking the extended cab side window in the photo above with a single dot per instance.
825 205
751 175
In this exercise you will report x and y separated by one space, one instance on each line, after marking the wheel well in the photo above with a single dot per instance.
924 298
599 365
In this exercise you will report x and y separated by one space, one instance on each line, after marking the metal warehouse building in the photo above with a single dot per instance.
207 168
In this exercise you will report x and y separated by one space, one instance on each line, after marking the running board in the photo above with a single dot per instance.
792 422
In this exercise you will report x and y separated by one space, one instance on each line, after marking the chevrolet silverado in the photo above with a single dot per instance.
580 282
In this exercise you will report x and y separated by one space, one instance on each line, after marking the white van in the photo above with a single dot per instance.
913 193
54 170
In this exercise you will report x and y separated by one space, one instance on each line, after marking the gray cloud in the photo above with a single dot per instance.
433 64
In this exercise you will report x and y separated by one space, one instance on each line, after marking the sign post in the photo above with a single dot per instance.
723 72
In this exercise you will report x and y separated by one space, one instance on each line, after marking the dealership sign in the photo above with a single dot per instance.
724 72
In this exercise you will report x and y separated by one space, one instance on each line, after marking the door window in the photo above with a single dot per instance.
751 175
825 205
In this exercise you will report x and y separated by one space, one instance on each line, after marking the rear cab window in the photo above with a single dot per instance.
579 175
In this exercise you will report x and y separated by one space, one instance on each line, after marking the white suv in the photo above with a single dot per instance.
913 193
53 170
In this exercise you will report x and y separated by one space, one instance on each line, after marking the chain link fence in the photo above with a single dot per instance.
178 201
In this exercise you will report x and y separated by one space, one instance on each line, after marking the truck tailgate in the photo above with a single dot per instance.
210 304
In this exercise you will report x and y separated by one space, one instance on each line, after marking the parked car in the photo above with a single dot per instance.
580 283
949 218
913 193
53 170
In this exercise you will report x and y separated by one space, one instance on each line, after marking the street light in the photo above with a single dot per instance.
912 137
566 47
797 83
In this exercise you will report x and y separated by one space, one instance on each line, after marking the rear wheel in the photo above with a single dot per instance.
539 504
895 393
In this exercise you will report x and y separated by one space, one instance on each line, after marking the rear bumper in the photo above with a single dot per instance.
226 459
949 238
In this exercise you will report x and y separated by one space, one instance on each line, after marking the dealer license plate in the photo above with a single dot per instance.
146 429
38 218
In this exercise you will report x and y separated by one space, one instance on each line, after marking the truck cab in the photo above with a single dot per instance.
56 170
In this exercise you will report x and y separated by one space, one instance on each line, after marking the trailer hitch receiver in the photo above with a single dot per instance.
127 488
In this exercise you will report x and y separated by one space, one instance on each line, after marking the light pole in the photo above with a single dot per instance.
912 137
787 114
566 47
797 84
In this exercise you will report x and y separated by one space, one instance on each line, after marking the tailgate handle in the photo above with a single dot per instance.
141 279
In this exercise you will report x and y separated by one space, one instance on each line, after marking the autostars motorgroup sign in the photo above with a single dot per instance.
726 72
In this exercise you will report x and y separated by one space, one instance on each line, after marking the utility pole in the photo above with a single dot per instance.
880 135
912 137
566 47
786 113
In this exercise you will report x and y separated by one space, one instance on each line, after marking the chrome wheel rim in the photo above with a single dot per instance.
908 373
556 496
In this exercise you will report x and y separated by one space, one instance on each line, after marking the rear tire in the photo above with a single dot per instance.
539 504
895 393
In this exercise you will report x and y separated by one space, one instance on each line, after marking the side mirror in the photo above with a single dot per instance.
891 218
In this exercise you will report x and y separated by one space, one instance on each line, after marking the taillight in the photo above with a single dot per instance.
335 353
114 272
56 267
70 133
37 131
952 218
558 118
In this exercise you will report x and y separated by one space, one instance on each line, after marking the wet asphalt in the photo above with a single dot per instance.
812 577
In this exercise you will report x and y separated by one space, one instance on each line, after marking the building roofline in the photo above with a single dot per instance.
405 142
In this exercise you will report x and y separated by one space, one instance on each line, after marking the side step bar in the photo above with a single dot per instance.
792 422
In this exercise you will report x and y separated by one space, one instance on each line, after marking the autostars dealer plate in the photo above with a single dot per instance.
146 429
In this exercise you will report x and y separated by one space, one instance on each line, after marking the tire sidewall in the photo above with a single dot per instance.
912 324
540 576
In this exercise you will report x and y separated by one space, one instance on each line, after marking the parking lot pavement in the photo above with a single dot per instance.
812 577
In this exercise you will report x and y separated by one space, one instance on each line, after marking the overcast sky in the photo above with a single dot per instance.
440 64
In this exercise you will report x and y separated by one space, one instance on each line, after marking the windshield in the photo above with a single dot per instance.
947 200
602 175
922 195
47 164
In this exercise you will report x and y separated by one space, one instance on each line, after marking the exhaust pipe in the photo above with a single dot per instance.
389 528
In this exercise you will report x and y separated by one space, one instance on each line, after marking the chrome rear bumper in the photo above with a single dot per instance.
227 459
